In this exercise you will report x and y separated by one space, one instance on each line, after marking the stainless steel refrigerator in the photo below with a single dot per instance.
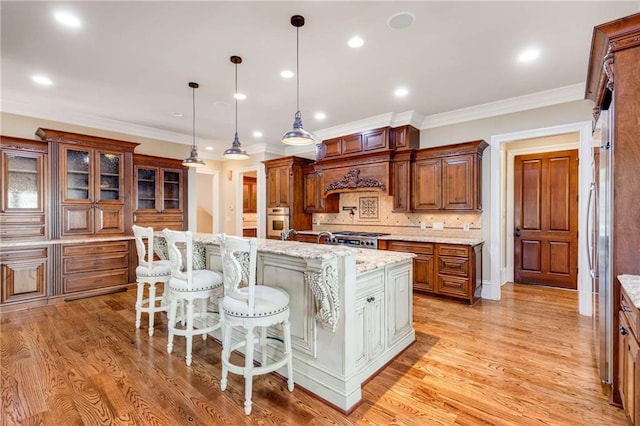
599 246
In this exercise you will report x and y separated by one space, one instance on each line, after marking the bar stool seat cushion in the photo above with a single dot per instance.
202 280
268 301
160 268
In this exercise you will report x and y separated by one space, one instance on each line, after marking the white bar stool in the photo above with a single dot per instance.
150 272
250 306
189 285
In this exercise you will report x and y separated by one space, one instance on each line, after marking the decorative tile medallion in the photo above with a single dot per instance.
368 207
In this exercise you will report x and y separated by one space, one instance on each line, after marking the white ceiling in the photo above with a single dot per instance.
127 67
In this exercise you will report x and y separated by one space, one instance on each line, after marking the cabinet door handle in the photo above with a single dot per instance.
517 233
371 299
623 331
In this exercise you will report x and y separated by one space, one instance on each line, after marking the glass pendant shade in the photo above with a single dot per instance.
298 135
236 152
194 160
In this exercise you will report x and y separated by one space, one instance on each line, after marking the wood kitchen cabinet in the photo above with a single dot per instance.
285 188
159 192
448 178
629 358
314 202
90 266
90 187
23 169
612 84
24 274
359 143
451 270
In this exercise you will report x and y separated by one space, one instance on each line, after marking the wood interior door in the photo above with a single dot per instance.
546 219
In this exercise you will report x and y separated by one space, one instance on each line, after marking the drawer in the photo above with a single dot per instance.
369 283
95 248
631 312
90 281
76 264
410 247
446 250
23 254
453 266
157 218
14 219
21 232
453 286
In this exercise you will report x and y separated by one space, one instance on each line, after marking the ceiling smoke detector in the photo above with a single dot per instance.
401 20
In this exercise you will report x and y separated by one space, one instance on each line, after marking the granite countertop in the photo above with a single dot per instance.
73 240
366 259
631 285
419 238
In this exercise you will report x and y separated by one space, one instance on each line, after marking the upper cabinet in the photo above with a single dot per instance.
314 202
159 192
90 187
285 188
22 203
448 178
359 143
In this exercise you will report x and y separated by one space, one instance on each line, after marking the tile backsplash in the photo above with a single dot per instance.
372 211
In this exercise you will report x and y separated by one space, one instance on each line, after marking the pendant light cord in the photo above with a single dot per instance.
236 98
193 134
297 68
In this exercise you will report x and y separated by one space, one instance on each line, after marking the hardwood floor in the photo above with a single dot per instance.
526 360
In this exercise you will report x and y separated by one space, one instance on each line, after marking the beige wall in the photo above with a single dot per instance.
231 171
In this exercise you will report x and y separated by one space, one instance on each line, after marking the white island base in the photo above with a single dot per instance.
351 311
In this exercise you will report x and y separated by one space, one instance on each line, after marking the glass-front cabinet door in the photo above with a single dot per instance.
147 188
23 182
77 179
110 177
172 190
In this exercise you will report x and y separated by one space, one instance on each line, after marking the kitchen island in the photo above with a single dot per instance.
351 310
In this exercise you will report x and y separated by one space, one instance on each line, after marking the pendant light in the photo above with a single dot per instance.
297 136
236 152
194 160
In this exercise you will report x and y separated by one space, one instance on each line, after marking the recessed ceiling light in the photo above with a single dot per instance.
67 19
257 134
355 42
401 20
176 114
240 96
401 92
529 55
208 148
320 115
42 80
287 74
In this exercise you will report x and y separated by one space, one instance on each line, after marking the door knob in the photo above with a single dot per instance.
517 233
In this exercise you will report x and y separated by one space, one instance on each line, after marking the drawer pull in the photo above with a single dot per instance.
371 299
623 331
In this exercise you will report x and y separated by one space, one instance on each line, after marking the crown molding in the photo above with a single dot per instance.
369 123
506 106
38 109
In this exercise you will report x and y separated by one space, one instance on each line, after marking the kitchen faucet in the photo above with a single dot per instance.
328 237
284 235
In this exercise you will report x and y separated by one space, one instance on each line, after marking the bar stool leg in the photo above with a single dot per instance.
173 308
189 330
152 306
248 370
139 296
286 327
226 353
